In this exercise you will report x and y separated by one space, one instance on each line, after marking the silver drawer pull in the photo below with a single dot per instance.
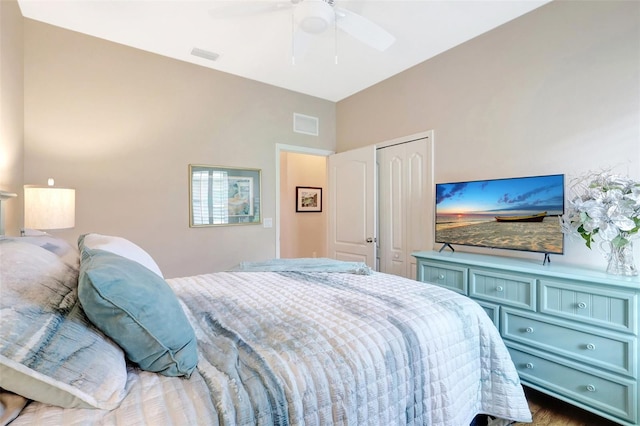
529 329
582 305
529 365
591 346
591 388
441 277
499 288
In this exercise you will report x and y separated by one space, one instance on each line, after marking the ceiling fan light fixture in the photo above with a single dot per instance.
314 16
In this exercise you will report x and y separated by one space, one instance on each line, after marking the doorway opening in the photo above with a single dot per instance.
300 234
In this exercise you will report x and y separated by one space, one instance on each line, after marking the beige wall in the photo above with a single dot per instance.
555 91
121 126
11 111
302 234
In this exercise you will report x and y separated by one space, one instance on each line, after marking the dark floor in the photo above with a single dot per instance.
548 411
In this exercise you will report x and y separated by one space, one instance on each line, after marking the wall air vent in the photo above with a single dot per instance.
212 56
305 124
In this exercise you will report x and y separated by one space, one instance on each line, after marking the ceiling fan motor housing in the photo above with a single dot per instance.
315 16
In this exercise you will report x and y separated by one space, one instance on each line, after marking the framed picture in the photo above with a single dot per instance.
308 199
223 196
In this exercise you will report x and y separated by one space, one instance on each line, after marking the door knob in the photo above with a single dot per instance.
370 240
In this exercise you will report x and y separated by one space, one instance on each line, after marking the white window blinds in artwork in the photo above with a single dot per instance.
210 201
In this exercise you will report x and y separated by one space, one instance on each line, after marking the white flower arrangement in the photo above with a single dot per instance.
608 206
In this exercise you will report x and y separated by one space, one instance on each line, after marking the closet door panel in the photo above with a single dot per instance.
403 207
392 210
417 219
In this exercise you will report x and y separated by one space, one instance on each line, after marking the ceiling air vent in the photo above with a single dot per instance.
205 54
305 124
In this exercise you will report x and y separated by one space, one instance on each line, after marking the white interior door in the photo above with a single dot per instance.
352 206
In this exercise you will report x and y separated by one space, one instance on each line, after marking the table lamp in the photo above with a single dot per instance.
49 207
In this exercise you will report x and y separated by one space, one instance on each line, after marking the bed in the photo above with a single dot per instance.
300 342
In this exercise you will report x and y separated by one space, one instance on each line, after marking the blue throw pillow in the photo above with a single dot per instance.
139 311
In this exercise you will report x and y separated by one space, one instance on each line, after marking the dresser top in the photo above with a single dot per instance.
532 266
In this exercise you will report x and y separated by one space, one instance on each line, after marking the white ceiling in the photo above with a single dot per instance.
259 46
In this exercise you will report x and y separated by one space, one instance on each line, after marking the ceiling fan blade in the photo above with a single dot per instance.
363 29
234 9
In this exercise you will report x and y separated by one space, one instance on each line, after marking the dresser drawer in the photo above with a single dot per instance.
506 289
449 276
611 396
492 310
599 348
607 307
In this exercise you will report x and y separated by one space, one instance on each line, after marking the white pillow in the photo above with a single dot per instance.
121 247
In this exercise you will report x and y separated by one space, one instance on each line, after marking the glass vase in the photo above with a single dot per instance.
621 261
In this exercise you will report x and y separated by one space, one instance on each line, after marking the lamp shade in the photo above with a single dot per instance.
47 207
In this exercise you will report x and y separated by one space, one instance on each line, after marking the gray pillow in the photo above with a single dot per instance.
49 351
67 253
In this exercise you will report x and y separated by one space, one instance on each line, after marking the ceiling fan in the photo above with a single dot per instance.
312 17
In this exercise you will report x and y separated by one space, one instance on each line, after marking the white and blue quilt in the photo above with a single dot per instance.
294 348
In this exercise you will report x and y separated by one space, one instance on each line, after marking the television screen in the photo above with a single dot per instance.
515 213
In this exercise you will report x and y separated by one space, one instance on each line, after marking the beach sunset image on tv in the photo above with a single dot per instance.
514 213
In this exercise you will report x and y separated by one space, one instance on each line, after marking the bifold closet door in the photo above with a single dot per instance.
403 219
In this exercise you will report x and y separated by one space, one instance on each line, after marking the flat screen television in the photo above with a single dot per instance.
518 213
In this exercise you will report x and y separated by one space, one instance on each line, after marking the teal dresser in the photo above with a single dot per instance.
572 332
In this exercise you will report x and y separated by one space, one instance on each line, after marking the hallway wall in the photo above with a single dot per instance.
302 234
